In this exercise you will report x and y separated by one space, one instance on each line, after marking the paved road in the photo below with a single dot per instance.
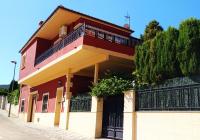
14 129
9 130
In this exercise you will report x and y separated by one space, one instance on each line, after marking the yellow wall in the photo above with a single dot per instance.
168 125
82 123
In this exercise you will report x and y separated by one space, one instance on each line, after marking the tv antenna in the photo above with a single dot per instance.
129 19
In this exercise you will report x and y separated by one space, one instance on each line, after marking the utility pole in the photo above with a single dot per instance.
14 62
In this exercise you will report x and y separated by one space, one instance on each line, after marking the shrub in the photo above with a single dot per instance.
110 86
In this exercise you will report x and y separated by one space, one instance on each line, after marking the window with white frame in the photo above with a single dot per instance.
45 103
23 61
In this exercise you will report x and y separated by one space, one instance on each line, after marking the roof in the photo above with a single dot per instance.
75 12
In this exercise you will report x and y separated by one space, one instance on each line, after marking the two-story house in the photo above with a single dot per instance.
68 52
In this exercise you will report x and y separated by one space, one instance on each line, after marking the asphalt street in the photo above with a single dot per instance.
10 130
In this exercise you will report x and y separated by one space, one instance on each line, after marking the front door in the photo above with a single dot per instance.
58 107
113 117
33 107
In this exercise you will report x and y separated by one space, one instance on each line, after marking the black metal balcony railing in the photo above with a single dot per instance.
64 42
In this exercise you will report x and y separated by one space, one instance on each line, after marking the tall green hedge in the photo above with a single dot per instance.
168 54
189 46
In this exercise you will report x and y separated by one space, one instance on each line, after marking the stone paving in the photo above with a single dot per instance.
14 129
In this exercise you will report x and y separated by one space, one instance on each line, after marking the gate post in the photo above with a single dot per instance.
129 116
97 108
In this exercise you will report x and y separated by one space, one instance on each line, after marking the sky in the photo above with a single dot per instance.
19 19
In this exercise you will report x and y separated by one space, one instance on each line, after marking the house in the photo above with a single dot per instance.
68 52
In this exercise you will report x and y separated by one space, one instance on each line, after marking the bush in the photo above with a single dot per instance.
13 97
110 86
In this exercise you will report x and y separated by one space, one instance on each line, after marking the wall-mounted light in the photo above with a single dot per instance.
59 83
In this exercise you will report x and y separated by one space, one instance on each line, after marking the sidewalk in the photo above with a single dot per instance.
50 133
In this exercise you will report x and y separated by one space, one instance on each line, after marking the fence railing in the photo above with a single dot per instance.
170 98
80 104
58 46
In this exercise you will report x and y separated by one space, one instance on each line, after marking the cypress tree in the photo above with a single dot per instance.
189 46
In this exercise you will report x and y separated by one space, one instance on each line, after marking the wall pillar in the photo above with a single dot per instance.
4 102
97 107
64 121
0 101
129 132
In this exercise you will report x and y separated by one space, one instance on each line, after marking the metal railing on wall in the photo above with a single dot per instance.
81 103
178 98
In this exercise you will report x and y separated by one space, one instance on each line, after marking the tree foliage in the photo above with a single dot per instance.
168 54
13 95
14 85
151 30
3 92
110 86
189 46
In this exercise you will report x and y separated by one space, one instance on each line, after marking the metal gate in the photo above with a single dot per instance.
113 117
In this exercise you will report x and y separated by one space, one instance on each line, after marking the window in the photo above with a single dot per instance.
23 61
22 105
100 35
45 103
109 37
117 40
90 32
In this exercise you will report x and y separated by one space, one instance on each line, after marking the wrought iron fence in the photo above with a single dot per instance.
185 97
63 43
81 103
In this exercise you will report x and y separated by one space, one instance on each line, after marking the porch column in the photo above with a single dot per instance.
129 132
64 122
97 107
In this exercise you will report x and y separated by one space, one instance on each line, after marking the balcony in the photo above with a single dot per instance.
92 33
58 46
80 49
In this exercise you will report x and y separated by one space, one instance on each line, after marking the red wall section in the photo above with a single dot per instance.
51 88
80 85
29 62
24 93
104 44
31 52
42 46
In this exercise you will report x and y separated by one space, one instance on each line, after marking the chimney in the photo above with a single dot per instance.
126 26
40 23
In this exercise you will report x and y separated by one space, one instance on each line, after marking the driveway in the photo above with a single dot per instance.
14 129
